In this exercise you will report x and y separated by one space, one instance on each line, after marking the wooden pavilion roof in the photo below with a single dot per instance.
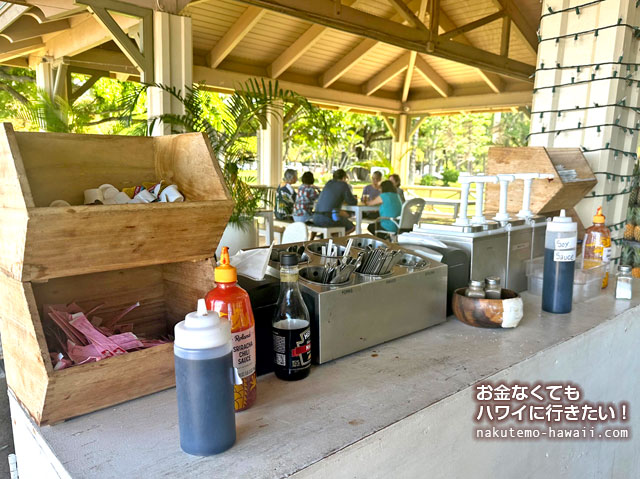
364 55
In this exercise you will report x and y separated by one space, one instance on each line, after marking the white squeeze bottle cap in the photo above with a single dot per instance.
202 329
562 224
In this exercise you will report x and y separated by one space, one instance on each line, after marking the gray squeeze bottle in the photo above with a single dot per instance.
204 383
559 264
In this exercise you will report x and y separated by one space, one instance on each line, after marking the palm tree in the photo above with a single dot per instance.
234 118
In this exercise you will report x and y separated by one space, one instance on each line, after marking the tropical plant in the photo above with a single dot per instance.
228 127
450 176
428 180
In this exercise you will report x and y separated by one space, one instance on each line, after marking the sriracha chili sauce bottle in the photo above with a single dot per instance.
232 302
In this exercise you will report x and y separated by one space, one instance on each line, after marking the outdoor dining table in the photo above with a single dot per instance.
359 210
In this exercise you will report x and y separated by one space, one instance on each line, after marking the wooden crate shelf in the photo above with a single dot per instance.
166 293
546 196
39 242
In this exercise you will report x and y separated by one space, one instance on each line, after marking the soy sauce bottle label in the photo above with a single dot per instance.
292 347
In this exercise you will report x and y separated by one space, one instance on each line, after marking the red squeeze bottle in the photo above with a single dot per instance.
232 302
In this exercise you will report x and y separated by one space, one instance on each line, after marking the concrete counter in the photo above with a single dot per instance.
402 409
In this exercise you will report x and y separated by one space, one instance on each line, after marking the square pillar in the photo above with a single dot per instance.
400 147
584 87
270 139
172 65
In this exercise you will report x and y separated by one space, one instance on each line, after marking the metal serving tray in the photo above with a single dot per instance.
369 310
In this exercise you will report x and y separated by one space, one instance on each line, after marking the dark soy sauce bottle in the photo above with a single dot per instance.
291 327
559 264
204 383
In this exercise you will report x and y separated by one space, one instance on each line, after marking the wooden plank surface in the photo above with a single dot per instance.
85 239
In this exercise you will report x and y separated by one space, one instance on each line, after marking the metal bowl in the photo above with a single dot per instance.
275 254
412 261
316 249
312 274
364 243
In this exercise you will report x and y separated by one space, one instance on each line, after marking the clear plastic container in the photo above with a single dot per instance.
587 283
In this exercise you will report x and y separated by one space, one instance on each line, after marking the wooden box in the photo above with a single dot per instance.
546 196
166 293
41 242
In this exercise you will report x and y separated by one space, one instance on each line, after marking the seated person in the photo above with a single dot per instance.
395 179
286 196
334 194
390 207
307 195
373 190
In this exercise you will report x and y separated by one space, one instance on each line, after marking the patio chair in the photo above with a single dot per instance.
295 233
409 216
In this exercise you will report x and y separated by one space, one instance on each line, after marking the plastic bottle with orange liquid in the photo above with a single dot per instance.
232 302
596 249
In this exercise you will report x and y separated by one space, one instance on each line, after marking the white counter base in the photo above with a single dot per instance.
402 409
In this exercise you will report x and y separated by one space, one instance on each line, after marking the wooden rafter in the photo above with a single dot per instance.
100 59
10 14
389 121
142 57
406 87
360 23
505 37
473 25
296 50
386 75
491 79
234 35
88 83
435 80
299 47
347 62
414 126
28 27
471 102
407 14
84 36
520 20
409 76
10 51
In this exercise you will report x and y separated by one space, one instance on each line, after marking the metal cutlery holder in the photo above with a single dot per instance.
368 310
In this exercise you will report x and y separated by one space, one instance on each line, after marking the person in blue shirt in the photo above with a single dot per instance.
328 208
390 207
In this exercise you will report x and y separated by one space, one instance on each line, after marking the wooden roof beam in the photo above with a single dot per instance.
9 51
470 102
234 35
409 76
381 29
223 80
343 65
524 28
492 80
11 14
407 14
435 80
299 47
386 75
472 25
28 27
84 36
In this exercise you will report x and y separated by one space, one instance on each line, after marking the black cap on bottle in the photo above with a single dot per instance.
288 259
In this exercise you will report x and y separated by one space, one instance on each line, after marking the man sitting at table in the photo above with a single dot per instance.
328 209
390 207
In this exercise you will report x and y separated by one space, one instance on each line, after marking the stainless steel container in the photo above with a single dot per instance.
369 310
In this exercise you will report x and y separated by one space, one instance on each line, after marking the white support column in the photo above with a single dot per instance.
400 147
172 63
270 149
606 85
44 77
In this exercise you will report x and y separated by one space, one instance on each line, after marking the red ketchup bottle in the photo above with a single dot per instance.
232 302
